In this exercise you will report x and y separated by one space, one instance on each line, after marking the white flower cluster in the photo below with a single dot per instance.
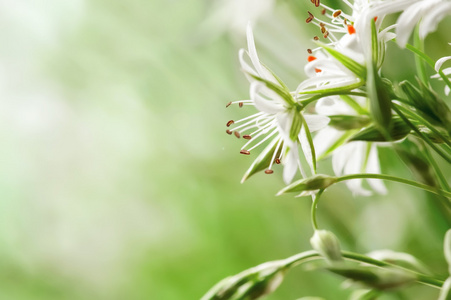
339 84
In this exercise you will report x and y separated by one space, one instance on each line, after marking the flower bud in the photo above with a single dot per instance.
327 244
311 184
399 258
445 292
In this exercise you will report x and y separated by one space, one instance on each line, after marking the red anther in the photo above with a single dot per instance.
375 19
316 2
237 134
245 152
277 160
323 30
309 51
351 29
229 132
318 70
230 123
326 34
323 12
269 171
247 137
240 104
316 38
311 58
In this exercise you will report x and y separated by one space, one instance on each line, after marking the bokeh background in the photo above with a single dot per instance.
117 179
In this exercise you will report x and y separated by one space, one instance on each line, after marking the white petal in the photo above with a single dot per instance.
340 158
407 21
433 17
291 164
253 51
284 123
324 139
316 122
447 90
262 104
333 105
305 145
244 65
374 168
440 62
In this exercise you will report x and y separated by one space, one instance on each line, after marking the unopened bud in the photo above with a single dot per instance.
327 244
399 258
310 184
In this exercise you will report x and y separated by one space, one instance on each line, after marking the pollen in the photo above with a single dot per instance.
277 161
247 137
323 12
336 13
311 58
230 123
228 104
316 38
269 171
237 134
316 2
351 29
229 132
309 51
245 152
326 34
240 104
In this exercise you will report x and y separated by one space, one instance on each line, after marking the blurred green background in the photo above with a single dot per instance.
118 180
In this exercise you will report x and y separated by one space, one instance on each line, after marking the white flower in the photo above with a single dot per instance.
275 117
430 12
351 158
446 71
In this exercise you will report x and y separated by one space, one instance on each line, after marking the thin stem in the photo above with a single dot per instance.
420 134
429 61
441 178
303 257
396 179
317 97
314 208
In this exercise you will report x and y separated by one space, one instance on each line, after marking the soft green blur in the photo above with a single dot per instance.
118 180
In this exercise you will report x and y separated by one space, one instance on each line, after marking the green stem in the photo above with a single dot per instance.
314 208
420 134
300 258
419 44
429 61
306 102
396 179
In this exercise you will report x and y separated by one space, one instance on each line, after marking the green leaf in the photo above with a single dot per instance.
374 42
398 130
348 122
296 125
263 160
346 61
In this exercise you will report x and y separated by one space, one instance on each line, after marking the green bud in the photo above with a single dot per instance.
380 100
347 122
380 279
364 295
398 130
309 185
327 244
445 292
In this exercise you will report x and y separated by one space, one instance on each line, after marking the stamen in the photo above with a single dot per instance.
237 134
264 140
323 30
316 38
326 34
275 153
351 29
277 161
269 171
228 104
230 123
245 152
375 19
309 51
316 2
247 137
323 12
229 132
240 104
310 18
